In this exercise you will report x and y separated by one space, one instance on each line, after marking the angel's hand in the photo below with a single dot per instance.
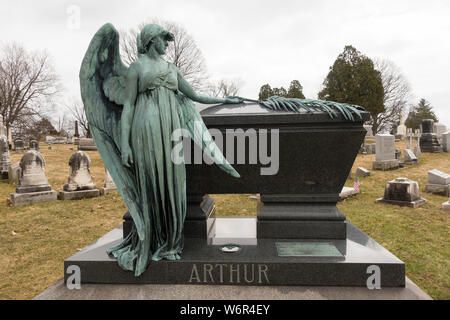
127 156
159 78
233 99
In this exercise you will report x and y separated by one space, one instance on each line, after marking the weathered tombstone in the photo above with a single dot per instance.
370 148
428 139
109 185
49 139
5 161
87 144
446 141
409 136
347 192
402 192
80 184
19 146
409 157
60 140
417 151
385 153
438 182
33 184
362 172
369 133
14 173
439 129
398 155
34 145
3 130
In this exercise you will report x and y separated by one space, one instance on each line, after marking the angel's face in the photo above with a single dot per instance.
160 45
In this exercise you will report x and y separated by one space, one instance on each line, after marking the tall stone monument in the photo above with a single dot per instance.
5 160
417 151
401 129
385 153
33 185
80 184
428 139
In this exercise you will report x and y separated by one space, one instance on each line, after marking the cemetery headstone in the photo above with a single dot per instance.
401 130
410 157
60 140
80 184
369 133
385 153
34 145
19 146
428 139
33 185
49 139
109 185
402 192
417 151
362 172
439 129
5 160
14 173
87 144
446 141
438 183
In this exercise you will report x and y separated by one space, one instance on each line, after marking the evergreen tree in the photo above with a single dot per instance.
295 90
423 110
265 92
353 79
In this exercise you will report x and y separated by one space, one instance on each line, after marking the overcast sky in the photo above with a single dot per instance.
258 41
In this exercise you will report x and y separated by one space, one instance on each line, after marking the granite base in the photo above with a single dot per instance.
19 199
257 263
412 204
77 195
385 165
104 191
442 189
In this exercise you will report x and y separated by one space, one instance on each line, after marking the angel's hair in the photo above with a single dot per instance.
149 32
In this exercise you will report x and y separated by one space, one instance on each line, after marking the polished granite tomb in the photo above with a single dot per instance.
299 236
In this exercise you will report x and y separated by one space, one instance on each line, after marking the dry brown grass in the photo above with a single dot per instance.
37 238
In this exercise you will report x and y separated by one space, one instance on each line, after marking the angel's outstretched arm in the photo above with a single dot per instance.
127 114
189 92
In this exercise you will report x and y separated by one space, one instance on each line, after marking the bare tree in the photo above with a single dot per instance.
224 88
28 83
77 110
182 52
396 95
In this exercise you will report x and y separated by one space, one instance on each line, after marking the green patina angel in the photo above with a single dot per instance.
132 112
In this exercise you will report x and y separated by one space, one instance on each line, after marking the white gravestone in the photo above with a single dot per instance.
438 182
109 185
417 151
33 184
410 157
446 141
385 153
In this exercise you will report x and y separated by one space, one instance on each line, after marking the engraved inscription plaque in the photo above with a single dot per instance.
307 249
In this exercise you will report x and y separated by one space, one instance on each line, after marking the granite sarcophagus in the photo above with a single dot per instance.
298 162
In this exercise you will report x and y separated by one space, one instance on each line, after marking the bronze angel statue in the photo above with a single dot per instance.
132 112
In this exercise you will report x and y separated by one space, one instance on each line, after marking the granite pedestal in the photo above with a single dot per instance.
79 194
259 262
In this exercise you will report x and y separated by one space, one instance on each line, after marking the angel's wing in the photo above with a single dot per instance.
102 76
192 121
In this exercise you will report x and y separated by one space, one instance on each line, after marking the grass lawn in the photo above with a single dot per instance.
37 238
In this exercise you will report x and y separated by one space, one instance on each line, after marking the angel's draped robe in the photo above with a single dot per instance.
161 182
